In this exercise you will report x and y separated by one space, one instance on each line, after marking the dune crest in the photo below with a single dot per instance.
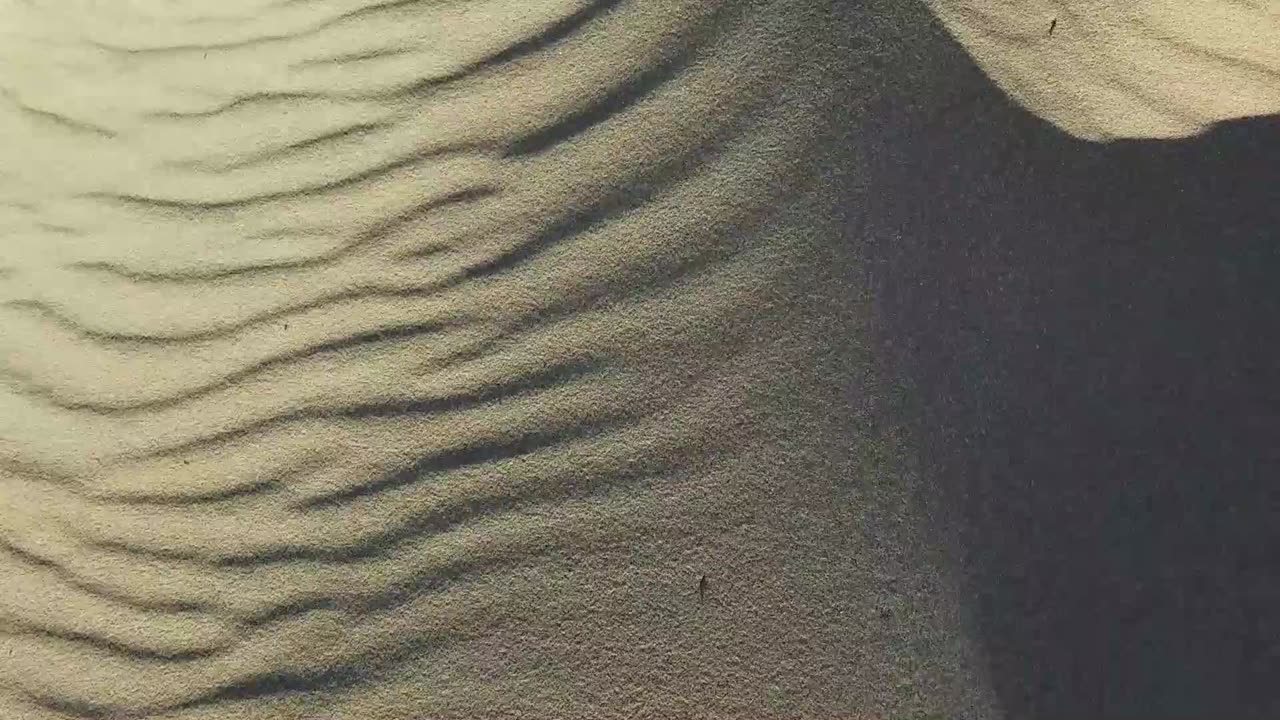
1111 70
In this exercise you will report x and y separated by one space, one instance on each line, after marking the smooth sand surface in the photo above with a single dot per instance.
1144 69
409 360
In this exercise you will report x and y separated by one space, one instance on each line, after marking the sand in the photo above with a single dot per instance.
1107 71
411 360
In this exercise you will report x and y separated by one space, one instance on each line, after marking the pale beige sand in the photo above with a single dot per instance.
355 367
1145 68
336 387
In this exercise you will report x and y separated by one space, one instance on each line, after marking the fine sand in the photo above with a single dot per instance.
538 359
1145 69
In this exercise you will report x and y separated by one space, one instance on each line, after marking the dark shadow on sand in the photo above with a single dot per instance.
1092 335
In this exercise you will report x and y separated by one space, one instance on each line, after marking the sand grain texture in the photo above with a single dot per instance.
413 359
1145 69
403 360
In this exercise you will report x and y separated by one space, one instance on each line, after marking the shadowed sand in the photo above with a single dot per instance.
546 359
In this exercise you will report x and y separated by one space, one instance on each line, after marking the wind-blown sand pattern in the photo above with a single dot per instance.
407 360
416 359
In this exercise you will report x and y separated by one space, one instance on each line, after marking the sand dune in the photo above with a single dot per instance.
1146 69
404 359
419 360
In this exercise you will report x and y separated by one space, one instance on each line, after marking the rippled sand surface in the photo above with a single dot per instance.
419 359
406 359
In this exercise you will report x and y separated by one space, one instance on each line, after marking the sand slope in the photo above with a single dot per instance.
405 360
1106 70
616 359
